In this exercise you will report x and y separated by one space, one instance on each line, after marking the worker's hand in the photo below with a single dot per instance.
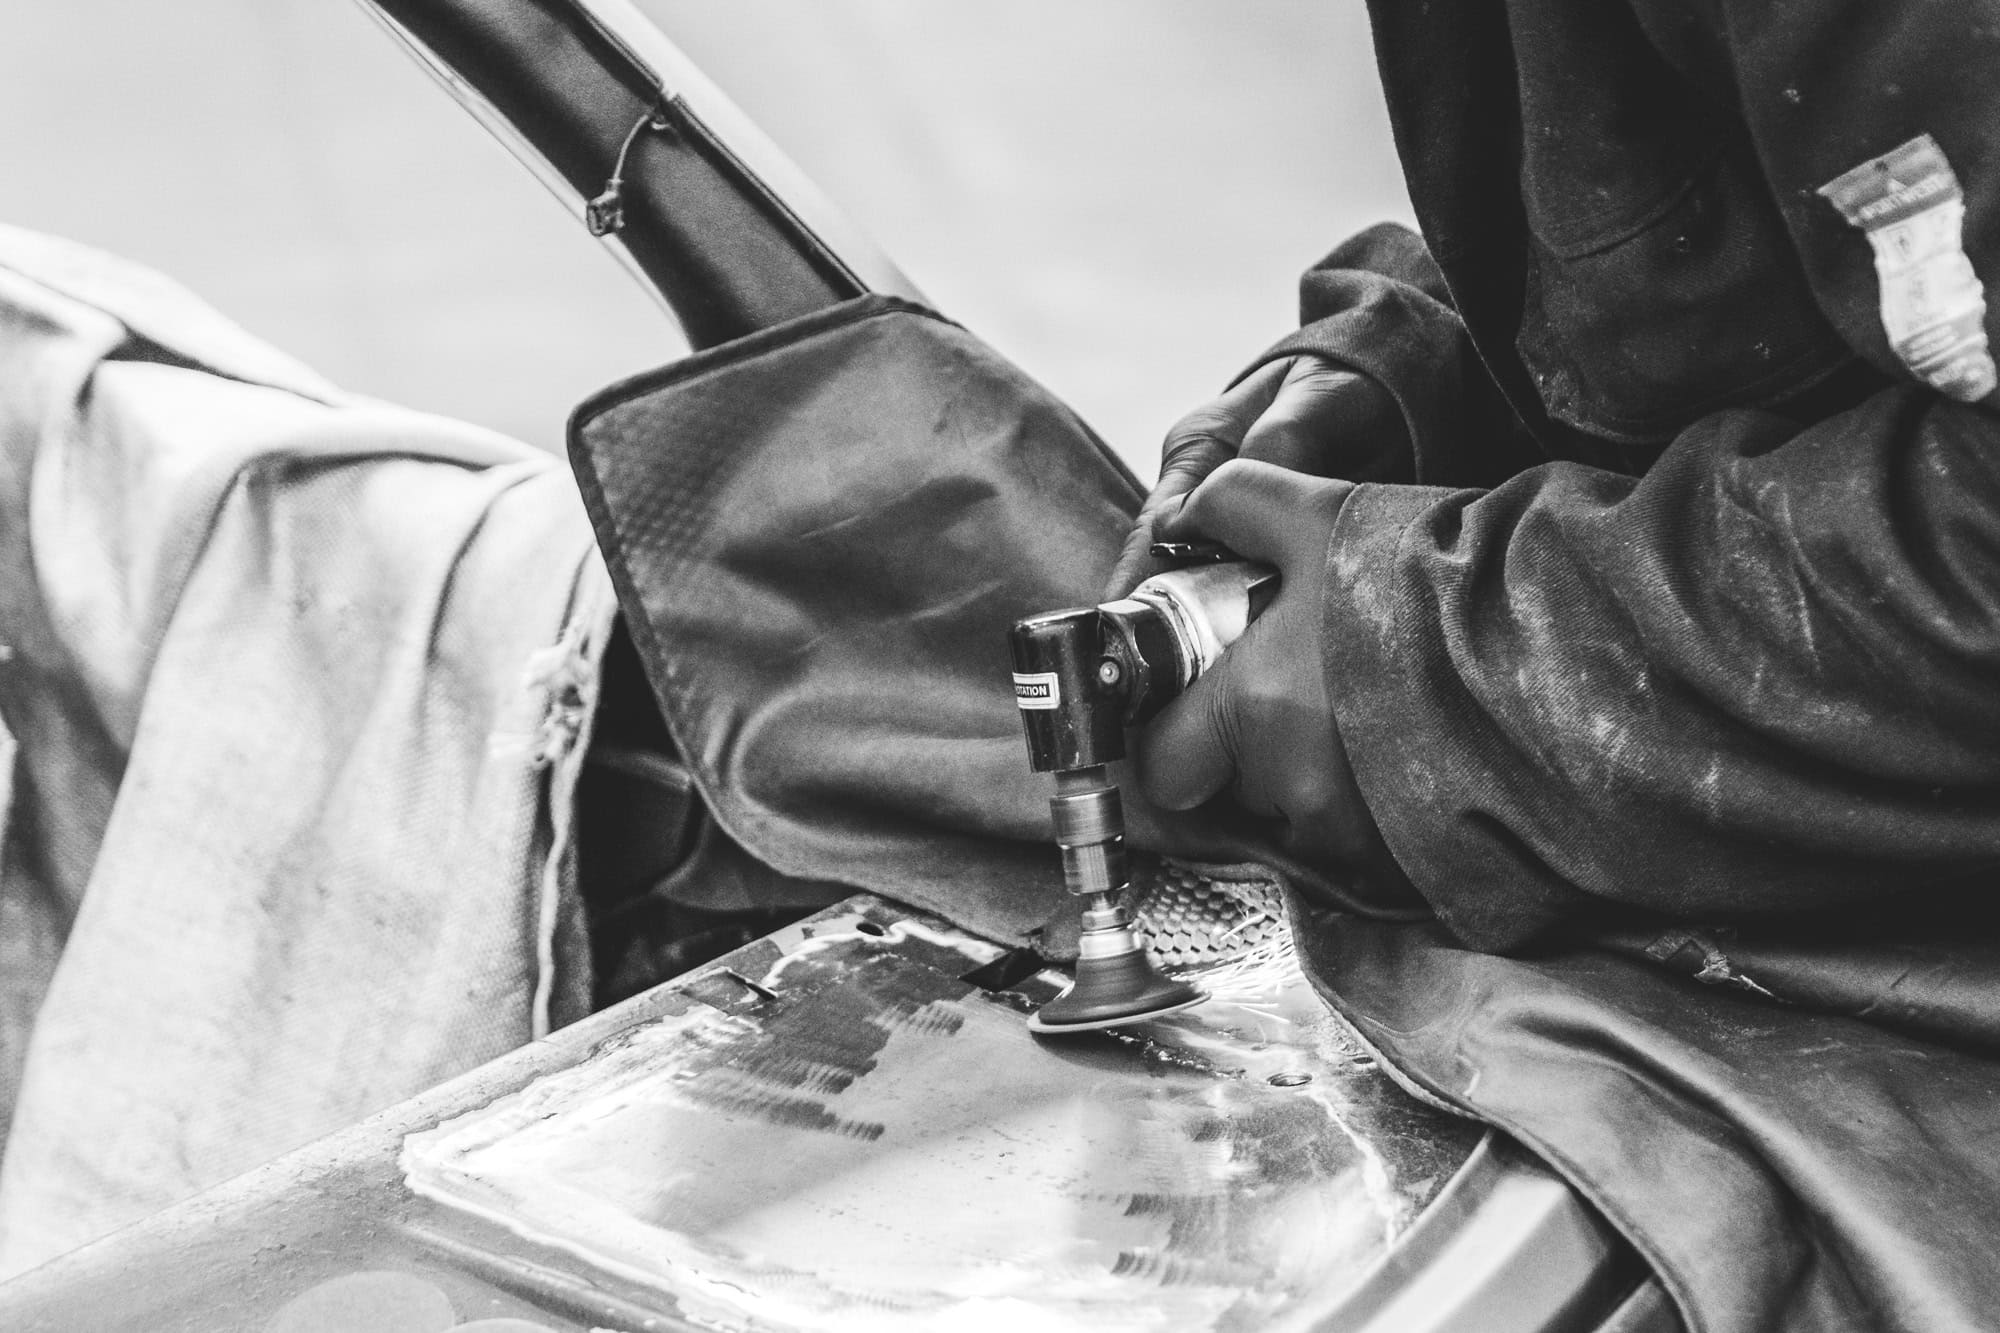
1259 724
1303 413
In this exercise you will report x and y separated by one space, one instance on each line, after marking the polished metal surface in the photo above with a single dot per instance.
850 1135
833 1128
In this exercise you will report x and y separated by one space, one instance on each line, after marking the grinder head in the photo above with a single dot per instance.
1116 983
1112 993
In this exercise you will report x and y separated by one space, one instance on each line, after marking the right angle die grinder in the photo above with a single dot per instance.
1081 677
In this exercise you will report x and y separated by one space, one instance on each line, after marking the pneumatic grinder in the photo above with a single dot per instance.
1081 677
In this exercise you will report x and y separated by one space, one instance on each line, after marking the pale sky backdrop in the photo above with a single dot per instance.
1117 193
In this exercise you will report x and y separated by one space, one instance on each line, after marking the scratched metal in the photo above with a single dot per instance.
851 1136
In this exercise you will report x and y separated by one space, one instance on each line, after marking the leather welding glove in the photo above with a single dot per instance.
1259 725
1303 412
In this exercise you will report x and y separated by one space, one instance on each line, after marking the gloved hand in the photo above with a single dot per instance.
1259 724
1303 413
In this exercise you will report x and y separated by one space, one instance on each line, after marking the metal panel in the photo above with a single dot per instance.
833 1128
865 1140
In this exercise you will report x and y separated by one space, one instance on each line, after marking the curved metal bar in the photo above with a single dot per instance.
721 225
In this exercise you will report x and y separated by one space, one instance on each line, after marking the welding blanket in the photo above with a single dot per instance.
821 533
292 686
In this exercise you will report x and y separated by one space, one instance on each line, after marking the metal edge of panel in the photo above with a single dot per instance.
1506 1247
1648 1309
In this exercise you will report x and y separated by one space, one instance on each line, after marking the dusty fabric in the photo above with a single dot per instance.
1680 635
1705 667
294 687
1718 636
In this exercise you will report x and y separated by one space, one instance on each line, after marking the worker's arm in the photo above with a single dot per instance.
1765 676
1379 383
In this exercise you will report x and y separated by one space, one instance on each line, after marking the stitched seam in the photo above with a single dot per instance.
1566 243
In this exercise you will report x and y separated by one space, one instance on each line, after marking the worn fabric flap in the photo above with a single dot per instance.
820 535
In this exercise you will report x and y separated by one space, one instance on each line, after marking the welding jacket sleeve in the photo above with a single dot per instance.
1762 677
1378 305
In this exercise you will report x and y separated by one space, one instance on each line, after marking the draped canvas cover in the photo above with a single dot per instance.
294 686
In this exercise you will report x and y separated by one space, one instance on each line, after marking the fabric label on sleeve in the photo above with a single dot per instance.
1909 204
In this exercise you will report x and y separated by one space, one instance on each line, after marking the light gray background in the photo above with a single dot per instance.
1117 193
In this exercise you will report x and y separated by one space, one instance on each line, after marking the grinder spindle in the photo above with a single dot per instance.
1081 676
1115 981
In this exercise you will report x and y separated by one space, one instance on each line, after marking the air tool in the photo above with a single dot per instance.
1082 676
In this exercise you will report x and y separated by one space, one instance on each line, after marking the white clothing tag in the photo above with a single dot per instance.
1909 203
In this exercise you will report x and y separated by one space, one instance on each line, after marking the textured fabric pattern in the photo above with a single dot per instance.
291 680
821 535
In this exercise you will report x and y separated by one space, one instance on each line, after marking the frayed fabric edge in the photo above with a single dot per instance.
566 674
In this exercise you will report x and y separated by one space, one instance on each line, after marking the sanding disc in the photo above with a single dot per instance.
1038 1023
1111 992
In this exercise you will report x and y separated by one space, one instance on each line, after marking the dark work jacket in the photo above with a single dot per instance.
1718 636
